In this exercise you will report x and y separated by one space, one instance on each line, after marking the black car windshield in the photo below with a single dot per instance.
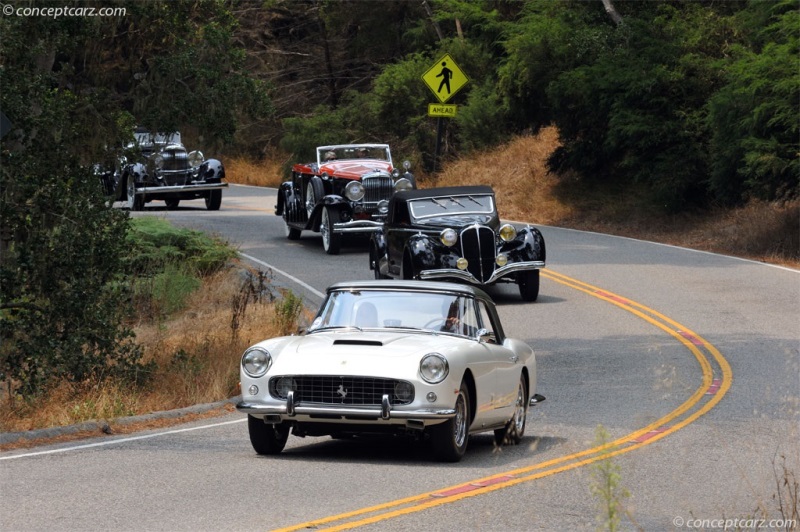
388 309
449 205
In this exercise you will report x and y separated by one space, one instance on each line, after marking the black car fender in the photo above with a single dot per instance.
211 171
528 246
286 195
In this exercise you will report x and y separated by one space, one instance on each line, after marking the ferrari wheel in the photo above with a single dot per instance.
267 438
512 433
450 438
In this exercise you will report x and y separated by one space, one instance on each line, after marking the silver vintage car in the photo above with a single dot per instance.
426 359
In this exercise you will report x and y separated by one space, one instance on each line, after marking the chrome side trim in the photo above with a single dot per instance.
463 275
154 191
358 226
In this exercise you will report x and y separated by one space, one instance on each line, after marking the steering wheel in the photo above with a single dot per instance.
440 321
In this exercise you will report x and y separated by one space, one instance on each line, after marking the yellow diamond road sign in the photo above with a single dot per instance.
444 78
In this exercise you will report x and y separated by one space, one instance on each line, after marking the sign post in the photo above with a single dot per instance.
444 79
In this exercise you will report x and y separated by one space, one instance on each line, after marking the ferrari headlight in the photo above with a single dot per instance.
402 184
354 190
508 233
256 361
448 237
196 158
433 368
158 161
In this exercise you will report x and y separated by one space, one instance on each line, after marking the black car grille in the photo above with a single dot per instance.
376 189
478 247
175 160
340 390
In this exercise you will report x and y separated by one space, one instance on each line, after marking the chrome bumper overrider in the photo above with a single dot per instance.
358 226
463 275
152 191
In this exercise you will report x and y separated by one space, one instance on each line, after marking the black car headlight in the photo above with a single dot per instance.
433 368
256 361
449 237
508 232
196 158
354 190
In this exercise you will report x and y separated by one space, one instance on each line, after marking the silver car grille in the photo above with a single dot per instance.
376 189
340 390
478 247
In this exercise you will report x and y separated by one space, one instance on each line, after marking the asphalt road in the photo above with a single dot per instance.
688 361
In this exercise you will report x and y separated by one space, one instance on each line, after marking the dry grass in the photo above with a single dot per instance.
265 173
197 354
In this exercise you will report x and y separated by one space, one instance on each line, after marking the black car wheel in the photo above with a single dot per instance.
450 438
375 260
528 285
135 202
267 438
331 241
514 430
172 204
214 200
314 192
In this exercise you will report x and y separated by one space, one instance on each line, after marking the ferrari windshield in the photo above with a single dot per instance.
449 205
388 309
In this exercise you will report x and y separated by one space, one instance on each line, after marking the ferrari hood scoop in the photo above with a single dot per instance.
351 341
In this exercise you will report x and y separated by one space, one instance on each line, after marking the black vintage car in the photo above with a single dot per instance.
157 166
346 190
454 233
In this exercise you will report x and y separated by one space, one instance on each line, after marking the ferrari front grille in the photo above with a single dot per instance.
339 390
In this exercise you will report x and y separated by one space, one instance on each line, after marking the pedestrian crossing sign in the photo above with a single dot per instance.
445 78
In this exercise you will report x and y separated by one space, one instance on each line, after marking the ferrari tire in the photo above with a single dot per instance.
267 438
512 433
450 438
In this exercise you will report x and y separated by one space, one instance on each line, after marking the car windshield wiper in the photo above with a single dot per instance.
454 200
474 201
330 327
439 203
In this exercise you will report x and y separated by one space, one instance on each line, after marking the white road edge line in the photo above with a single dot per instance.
120 440
291 277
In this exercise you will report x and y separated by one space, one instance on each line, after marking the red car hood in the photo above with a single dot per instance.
354 169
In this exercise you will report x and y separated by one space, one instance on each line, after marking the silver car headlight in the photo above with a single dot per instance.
402 184
196 158
449 237
433 368
284 386
508 232
354 190
256 361
158 161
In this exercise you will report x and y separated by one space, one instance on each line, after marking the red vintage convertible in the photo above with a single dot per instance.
347 190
